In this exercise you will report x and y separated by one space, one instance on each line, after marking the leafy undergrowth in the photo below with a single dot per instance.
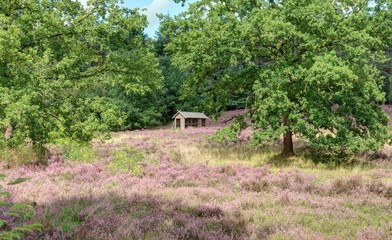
22 155
163 184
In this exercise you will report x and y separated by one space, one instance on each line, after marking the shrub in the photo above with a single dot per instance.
330 153
208 212
13 217
333 150
128 160
229 134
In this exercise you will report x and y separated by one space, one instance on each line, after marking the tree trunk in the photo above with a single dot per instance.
288 148
8 132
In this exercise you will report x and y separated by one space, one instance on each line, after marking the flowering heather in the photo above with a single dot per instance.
186 192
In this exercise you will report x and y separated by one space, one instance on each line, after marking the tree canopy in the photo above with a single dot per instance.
315 69
310 66
60 62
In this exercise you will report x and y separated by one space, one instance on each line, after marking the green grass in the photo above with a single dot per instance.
66 219
328 225
127 160
22 155
80 153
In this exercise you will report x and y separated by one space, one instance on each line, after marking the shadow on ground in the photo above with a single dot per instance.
137 217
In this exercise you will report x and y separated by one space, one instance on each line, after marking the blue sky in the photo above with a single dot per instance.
156 6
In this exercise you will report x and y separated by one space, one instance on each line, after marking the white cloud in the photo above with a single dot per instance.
156 6
84 2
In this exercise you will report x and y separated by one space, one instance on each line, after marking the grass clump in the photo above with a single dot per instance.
128 160
67 220
22 155
78 152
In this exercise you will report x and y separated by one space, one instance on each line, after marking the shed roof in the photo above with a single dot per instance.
191 115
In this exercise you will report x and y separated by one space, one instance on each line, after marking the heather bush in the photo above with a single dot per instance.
127 160
176 156
184 183
371 233
257 186
227 198
229 170
265 231
98 227
142 216
377 187
208 211
346 185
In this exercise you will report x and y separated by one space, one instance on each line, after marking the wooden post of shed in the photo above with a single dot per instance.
199 122
182 123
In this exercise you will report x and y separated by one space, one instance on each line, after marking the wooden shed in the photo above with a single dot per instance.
183 120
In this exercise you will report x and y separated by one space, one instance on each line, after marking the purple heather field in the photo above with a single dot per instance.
167 184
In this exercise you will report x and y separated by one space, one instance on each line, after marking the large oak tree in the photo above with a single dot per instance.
311 66
59 60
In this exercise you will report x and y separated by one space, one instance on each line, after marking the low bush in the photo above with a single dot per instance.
379 188
257 186
346 185
229 134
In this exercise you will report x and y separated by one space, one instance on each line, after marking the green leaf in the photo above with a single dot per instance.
5 194
35 226
20 206
12 214
2 222
18 181
23 229
4 204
